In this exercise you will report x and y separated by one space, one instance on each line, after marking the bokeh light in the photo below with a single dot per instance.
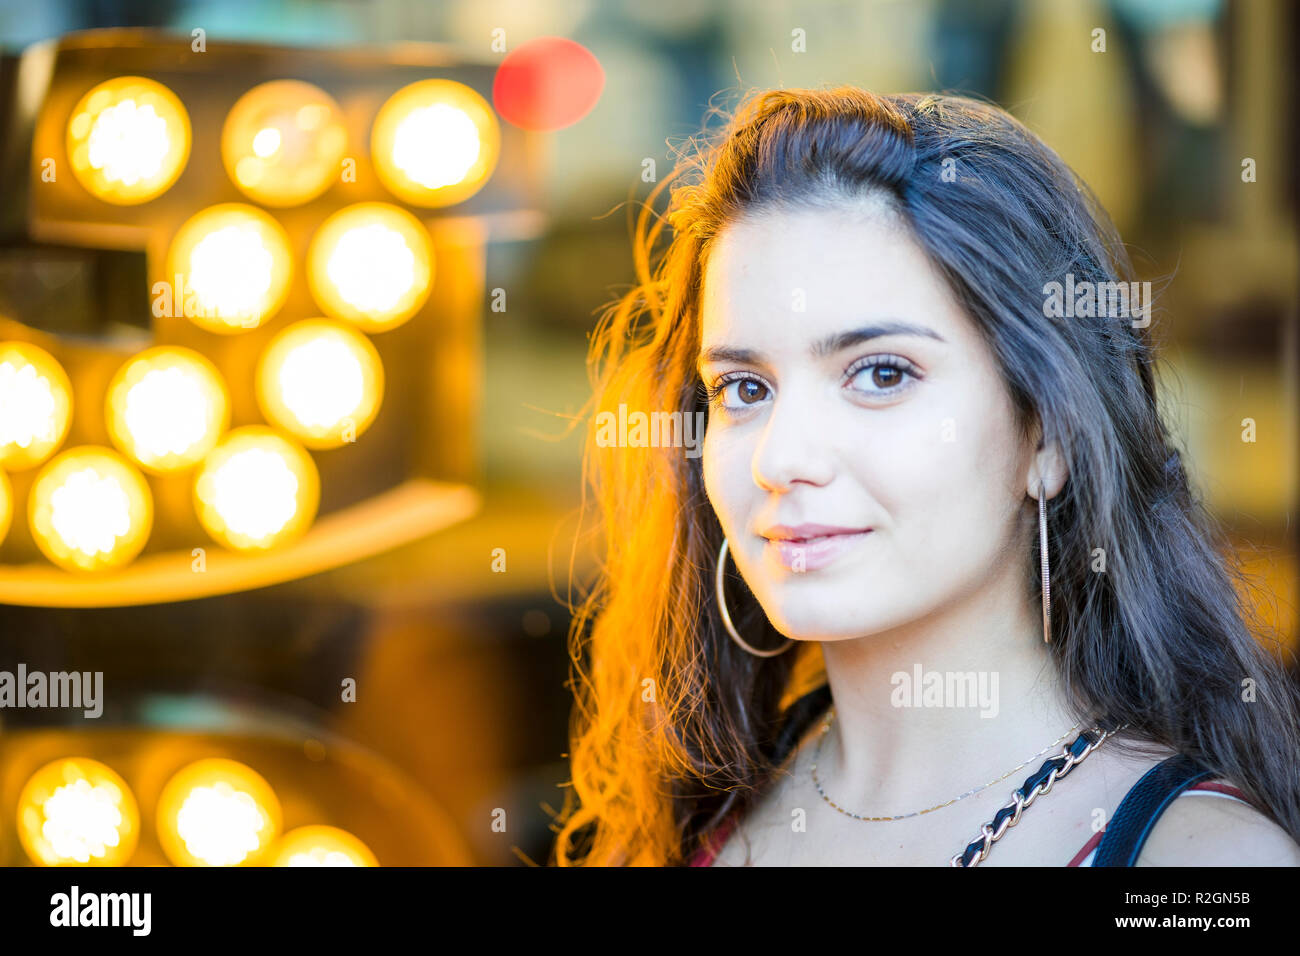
217 812
256 489
371 264
35 405
283 142
77 811
128 139
322 381
166 408
547 83
435 142
90 509
321 846
230 267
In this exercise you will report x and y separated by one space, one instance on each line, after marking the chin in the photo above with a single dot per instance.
816 615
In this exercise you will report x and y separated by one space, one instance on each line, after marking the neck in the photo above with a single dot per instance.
987 699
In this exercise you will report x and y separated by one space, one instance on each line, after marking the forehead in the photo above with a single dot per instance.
793 275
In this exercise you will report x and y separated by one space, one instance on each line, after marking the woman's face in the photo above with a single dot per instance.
861 453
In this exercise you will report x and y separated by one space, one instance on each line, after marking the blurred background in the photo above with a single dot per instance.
443 543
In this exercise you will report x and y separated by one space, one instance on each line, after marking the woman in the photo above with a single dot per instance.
862 294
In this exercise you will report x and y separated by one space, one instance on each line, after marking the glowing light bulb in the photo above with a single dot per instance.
128 140
230 266
35 405
256 489
435 142
322 381
166 408
283 142
217 812
371 264
321 846
77 812
90 509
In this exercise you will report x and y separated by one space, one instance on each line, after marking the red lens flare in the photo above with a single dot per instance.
547 84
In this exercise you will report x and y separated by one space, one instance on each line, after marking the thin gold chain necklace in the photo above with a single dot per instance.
830 716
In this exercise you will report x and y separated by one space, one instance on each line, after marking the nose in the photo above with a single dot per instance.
793 447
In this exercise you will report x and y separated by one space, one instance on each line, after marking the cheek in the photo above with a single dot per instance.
951 486
712 464
726 471
941 470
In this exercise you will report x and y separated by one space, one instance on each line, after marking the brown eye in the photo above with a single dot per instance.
885 376
750 391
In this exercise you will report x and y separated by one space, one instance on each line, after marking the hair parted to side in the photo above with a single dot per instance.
674 726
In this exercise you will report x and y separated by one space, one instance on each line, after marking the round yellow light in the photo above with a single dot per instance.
322 381
371 264
35 405
6 504
77 812
256 489
166 408
128 140
90 509
217 812
435 142
230 266
321 846
283 142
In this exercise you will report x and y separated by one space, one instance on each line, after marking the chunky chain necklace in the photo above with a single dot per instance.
1040 782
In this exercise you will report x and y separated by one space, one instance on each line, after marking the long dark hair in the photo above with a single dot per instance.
674 726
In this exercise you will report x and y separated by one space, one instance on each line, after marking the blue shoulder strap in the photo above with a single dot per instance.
1141 807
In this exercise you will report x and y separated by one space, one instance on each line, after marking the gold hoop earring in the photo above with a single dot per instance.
1042 551
726 615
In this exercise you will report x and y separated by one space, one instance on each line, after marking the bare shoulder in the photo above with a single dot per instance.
1210 831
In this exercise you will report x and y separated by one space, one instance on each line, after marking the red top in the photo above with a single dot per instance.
1084 857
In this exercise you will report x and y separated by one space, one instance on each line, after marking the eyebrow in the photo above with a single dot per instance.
824 347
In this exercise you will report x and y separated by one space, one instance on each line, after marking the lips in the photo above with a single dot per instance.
805 533
808 547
